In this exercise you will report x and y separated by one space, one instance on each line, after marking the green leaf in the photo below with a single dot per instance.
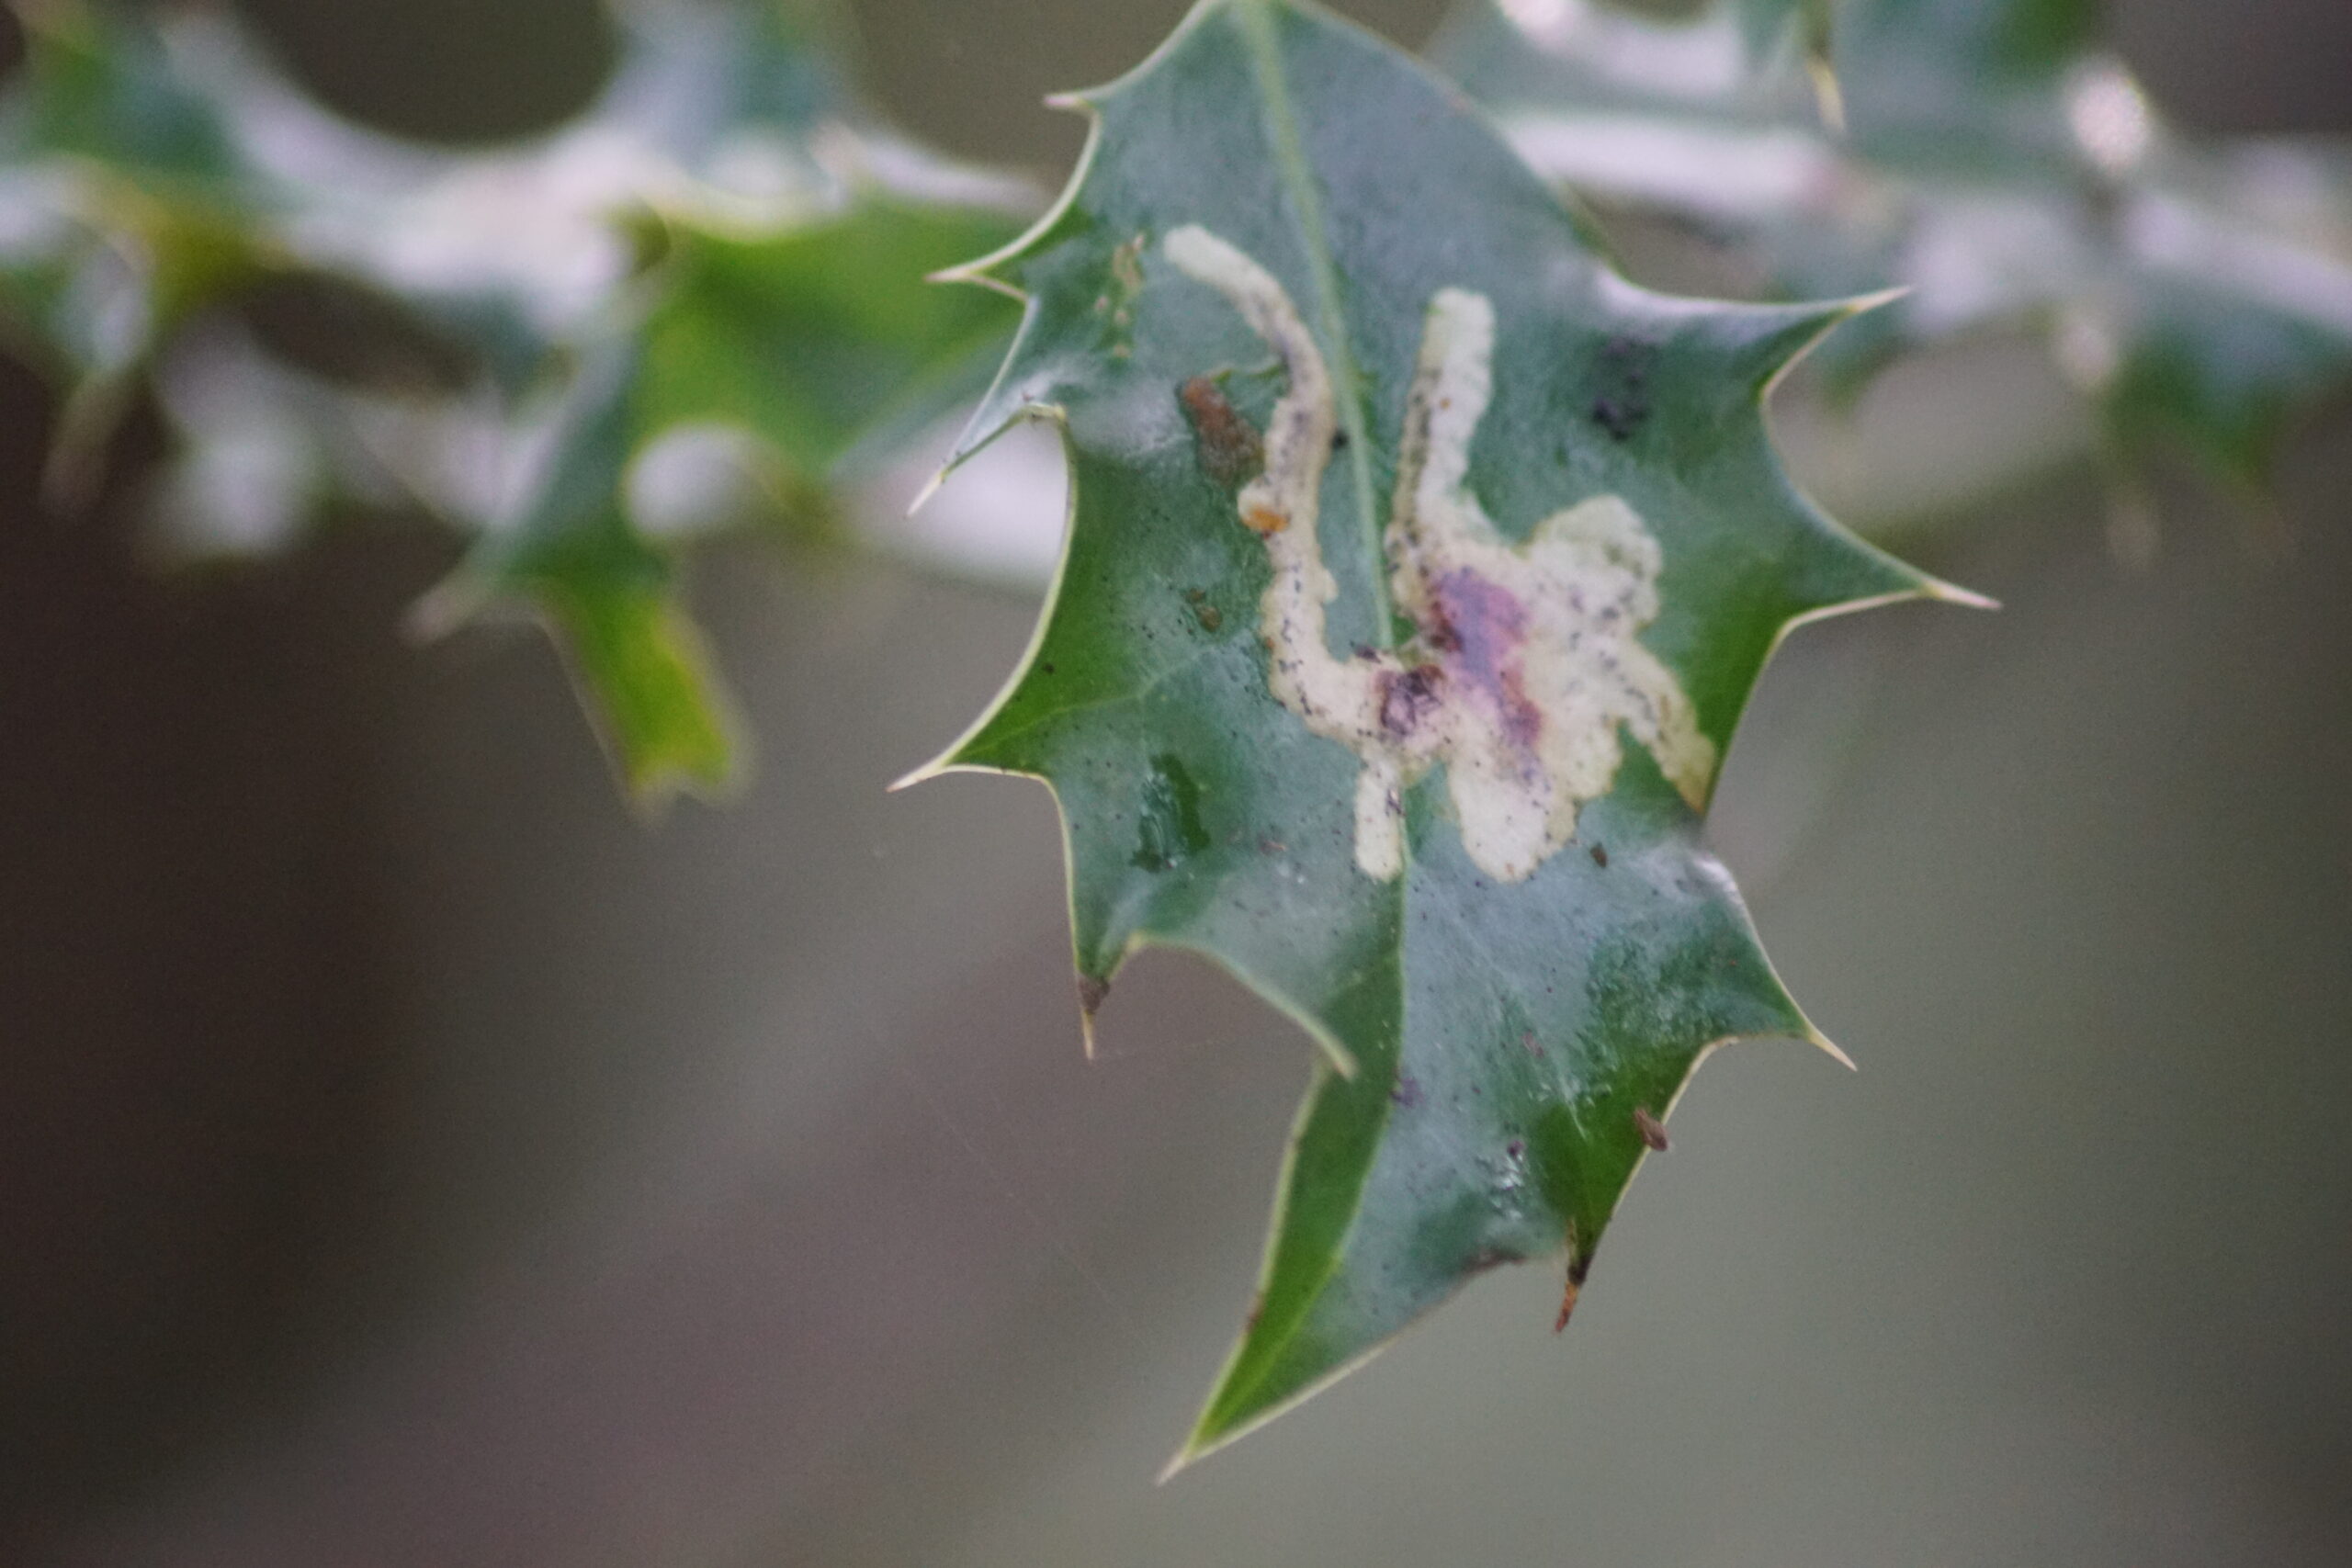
1969 83
695 77
727 242
824 338
133 212
608 597
808 341
1764 25
815 343
1419 570
640 660
2222 374
2000 166
99 85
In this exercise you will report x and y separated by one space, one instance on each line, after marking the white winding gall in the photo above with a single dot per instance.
1527 658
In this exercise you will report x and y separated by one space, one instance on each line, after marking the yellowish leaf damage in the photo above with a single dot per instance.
1526 658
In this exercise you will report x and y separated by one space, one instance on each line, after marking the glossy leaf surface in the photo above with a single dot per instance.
1419 570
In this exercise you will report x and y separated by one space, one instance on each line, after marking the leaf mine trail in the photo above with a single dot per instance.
1526 658
1336 743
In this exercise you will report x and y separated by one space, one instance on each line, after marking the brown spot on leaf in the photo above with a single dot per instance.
1092 992
1126 264
1232 452
1652 1130
1624 406
1620 417
1567 1307
1579 1261
1601 856
1264 520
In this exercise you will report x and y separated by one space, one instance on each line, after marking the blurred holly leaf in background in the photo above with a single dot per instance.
1990 157
700 304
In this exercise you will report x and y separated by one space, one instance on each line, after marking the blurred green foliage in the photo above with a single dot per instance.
1989 156
727 244
723 259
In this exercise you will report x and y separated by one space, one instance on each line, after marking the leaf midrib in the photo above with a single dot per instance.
1256 21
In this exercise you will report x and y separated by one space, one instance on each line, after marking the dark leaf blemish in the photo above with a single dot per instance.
1232 452
1620 418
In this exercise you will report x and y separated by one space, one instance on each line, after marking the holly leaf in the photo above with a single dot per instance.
823 340
132 210
608 597
812 345
1419 569
726 248
1977 85
1993 160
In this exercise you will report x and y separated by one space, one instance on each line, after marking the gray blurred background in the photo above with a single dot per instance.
407 1157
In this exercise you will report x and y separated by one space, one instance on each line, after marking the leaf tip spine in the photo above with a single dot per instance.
978 273
445 607
923 774
1953 593
1093 990
654 788
1829 96
955 762
1814 1037
931 487
1184 1461
1210 1435
1814 324
1862 304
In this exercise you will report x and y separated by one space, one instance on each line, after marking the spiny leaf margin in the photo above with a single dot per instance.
1657 955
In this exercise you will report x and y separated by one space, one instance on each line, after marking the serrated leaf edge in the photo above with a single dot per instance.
1200 1443
992 420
